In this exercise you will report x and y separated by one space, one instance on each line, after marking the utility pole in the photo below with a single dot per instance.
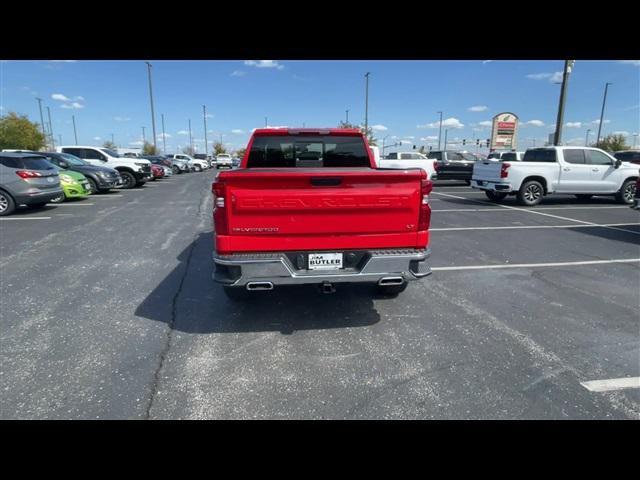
41 117
586 140
75 134
568 64
204 115
366 104
53 142
446 130
144 140
153 116
635 135
190 139
604 101
440 130
60 139
164 142
265 121
112 140
347 115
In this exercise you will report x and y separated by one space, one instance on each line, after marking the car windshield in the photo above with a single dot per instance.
111 153
73 160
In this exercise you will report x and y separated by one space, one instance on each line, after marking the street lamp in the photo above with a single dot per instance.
366 104
383 147
586 140
440 130
568 64
153 117
604 101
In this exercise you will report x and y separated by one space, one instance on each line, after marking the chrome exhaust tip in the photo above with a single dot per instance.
391 281
259 286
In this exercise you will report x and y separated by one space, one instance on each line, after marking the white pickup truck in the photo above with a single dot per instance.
403 160
580 171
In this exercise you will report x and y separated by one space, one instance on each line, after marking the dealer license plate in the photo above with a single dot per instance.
325 261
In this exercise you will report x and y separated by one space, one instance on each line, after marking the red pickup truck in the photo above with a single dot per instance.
309 206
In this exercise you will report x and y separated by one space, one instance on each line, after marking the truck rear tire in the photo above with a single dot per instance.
495 196
128 180
236 294
391 291
626 193
530 193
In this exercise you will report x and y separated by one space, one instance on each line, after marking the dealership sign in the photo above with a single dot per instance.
504 131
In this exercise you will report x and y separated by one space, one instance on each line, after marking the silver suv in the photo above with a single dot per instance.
26 179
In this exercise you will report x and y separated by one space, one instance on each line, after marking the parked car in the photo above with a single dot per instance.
26 179
195 164
74 185
224 160
157 171
580 171
453 165
631 156
179 166
310 207
100 179
236 162
403 160
133 171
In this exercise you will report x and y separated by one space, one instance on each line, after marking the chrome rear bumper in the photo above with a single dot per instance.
276 268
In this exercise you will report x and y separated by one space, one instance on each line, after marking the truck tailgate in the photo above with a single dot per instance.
487 170
320 209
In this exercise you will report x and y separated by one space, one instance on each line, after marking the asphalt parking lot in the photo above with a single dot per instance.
108 311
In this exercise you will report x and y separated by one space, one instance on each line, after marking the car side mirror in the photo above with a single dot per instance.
617 163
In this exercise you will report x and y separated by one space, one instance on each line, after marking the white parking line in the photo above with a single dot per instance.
25 218
611 384
496 209
521 227
537 213
534 265
74 204
110 195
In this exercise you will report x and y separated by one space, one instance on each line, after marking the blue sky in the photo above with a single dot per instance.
111 97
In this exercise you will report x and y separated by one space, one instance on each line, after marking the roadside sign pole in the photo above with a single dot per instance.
563 93
164 142
75 134
604 101
204 114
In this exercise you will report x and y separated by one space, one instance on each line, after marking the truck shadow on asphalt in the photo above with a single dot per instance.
189 301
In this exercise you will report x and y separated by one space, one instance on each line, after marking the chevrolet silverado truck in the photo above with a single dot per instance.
310 206
579 171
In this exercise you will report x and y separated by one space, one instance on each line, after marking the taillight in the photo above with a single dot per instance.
28 174
219 212
425 210
504 170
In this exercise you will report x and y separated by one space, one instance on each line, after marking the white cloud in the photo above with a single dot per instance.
552 77
573 125
478 108
597 122
79 99
429 138
623 132
405 142
535 123
394 137
238 73
486 61
63 61
410 137
121 119
448 123
264 64
60 97
97 138
183 132
635 63
379 128
237 131
165 135
209 115
74 105
485 123
139 143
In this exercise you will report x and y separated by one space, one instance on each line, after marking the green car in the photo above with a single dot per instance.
74 185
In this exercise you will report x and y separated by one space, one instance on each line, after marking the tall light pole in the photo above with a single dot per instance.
53 143
164 142
446 130
204 116
347 115
190 139
586 139
568 64
153 116
440 130
41 117
144 139
60 139
366 104
604 101
265 121
635 135
75 134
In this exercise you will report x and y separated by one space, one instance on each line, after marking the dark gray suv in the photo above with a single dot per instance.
26 179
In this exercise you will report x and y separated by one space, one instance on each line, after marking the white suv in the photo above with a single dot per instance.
134 171
224 160
197 164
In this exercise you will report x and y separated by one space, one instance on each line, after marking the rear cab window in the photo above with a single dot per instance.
540 155
313 151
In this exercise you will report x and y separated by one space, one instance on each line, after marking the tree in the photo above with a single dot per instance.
219 148
17 132
240 152
369 134
110 145
149 149
189 151
612 143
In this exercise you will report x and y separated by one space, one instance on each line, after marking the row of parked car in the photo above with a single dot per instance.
36 178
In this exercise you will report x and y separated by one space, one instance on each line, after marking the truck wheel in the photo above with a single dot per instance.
530 193
176 170
198 168
495 196
584 197
391 291
627 192
236 294
128 180
7 205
